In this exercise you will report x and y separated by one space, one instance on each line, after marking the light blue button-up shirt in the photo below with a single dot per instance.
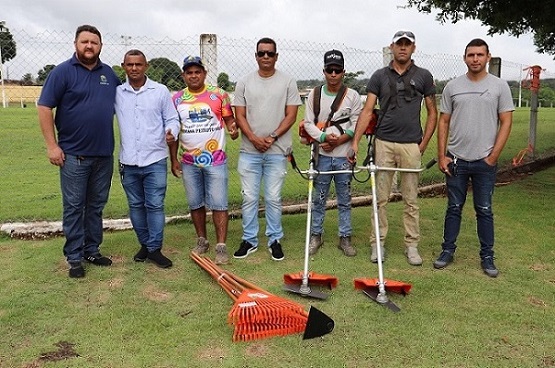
144 117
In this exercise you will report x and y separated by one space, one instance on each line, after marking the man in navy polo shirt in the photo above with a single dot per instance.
82 90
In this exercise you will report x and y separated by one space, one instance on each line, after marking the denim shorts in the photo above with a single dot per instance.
206 186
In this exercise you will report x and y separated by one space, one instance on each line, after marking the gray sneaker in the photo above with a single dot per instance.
346 246
222 257
315 243
374 255
413 258
202 246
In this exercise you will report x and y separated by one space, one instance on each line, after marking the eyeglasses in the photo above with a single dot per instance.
404 33
333 70
269 53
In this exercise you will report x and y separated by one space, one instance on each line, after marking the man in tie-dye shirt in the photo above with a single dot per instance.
204 111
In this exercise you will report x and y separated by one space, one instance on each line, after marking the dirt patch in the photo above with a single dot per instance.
65 351
155 295
257 350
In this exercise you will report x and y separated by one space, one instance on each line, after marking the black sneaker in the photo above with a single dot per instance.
76 271
244 250
159 259
443 260
275 249
99 260
141 255
488 267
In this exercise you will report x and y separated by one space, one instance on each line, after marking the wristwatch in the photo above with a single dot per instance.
274 135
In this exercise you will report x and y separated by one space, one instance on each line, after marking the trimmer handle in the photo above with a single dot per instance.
432 162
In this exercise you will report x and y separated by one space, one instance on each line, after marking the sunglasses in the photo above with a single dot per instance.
404 33
269 53
333 70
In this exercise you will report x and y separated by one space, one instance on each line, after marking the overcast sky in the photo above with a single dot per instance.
365 24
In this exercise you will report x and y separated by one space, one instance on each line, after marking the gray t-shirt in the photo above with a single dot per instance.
265 100
349 110
474 108
401 122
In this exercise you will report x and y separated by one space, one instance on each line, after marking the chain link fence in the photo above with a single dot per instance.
37 54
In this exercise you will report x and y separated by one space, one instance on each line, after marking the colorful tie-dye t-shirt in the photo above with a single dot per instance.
202 137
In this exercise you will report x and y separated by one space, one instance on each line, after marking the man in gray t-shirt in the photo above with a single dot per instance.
266 103
474 125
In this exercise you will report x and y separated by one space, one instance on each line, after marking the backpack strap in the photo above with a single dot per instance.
316 102
334 105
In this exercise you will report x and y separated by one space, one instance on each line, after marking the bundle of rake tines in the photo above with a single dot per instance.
257 314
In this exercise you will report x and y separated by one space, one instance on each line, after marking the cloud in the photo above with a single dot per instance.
362 24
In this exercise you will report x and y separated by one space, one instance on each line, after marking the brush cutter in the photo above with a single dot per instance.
300 283
375 289
257 314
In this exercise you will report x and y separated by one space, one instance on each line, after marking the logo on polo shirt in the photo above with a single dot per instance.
104 80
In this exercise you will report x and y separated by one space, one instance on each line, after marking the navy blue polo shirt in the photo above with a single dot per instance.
84 101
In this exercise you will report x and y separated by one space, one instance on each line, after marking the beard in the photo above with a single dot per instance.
87 60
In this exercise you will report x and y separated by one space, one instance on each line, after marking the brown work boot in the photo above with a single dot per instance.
222 257
202 246
374 255
346 247
413 258
315 243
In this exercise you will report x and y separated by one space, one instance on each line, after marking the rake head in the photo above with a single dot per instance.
258 314
398 287
313 279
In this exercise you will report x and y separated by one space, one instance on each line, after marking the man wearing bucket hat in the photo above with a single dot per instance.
334 146
400 142
205 112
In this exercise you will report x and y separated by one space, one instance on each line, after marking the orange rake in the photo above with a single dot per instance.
258 314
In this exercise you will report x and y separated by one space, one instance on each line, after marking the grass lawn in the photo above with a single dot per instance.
136 315
31 189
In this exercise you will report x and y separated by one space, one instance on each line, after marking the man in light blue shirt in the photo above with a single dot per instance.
147 122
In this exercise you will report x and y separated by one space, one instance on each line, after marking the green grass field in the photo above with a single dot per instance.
30 185
136 315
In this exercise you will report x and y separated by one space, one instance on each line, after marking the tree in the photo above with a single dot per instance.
224 83
7 43
515 17
27 79
120 72
167 72
43 73
351 81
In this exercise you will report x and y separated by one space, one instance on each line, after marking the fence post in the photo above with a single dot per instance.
2 79
495 66
534 89
209 56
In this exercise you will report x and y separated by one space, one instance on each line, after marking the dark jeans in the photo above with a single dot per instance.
85 183
483 178
145 188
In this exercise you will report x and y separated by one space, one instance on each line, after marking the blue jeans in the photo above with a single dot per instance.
483 181
322 185
145 188
206 186
253 169
85 184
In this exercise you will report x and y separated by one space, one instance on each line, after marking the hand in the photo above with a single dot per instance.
352 154
169 136
262 144
176 168
233 132
443 165
56 156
